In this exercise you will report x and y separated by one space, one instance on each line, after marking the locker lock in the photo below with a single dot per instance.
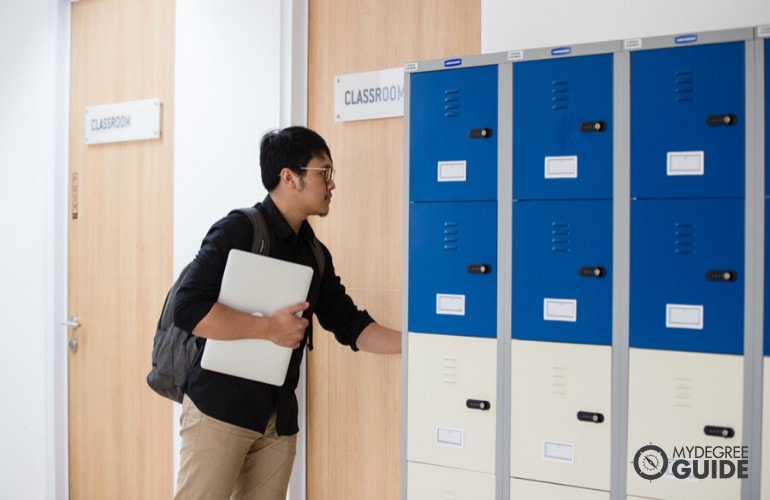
589 416
592 272
479 268
721 275
597 126
715 430
727 120
478 404
480 133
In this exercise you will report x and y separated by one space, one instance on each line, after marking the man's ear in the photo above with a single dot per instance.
288 178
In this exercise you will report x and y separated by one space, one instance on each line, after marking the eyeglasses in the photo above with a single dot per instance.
328 172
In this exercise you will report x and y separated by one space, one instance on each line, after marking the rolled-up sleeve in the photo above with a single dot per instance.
336 311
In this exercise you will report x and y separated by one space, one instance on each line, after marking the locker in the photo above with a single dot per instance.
453 268
675 399
453 135
560 414
765 484
562 128
533 490
562 263
688 121
430 482
451 401
686 290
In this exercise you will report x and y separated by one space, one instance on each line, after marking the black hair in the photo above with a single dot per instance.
290 147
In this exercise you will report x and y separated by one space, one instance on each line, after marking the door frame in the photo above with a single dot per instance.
57 421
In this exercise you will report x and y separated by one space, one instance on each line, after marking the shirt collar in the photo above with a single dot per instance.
278 222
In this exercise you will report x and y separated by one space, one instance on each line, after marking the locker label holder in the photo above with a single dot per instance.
446 436
686 316
559 452
684 163
559 309
561 167
452 171
453 305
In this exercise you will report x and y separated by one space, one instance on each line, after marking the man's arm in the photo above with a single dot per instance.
378 339
282 328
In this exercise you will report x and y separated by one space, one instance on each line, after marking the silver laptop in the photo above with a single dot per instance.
258 285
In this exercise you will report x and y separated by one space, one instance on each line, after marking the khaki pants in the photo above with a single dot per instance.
223 461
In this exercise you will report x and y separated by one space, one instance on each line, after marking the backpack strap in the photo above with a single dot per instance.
260 242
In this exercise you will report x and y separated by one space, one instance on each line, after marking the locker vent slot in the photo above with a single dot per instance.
560 94
559 380
449 370
451 103
451 236
684 238
684 85
683 392
560 237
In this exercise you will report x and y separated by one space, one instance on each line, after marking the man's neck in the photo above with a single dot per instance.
293 217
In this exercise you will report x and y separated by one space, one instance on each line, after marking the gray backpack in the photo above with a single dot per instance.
175 351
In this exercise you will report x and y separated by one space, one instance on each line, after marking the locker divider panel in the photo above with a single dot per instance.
562 264
561 413
687 275
453 268
536 490
688 121
452 404
453 143
563 128
674 396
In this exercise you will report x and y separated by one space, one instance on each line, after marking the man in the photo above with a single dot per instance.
238 436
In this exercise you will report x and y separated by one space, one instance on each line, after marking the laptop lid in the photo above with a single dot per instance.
259 285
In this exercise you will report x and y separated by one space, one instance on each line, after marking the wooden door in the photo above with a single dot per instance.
120 253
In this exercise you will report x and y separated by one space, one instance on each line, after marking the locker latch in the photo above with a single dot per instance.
592 272
478 404
721 275
479 268
727 120
597 126
480 133
715 430
590 416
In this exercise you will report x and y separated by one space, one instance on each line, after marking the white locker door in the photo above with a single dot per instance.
448 376
552 385
535 490
672 397
431 482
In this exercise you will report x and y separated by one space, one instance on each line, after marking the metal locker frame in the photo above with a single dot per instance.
503 251
754 251
618 193
754 232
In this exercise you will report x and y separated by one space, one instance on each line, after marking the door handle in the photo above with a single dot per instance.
72 322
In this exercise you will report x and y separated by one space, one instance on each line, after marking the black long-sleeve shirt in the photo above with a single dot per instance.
239 401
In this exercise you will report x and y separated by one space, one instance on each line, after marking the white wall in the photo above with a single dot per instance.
518 24
33 90
240 71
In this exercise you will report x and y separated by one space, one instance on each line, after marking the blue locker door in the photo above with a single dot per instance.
687 275
562 263
687 121
453 135
452 268
562 128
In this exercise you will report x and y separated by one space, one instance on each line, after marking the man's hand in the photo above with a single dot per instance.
286 329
